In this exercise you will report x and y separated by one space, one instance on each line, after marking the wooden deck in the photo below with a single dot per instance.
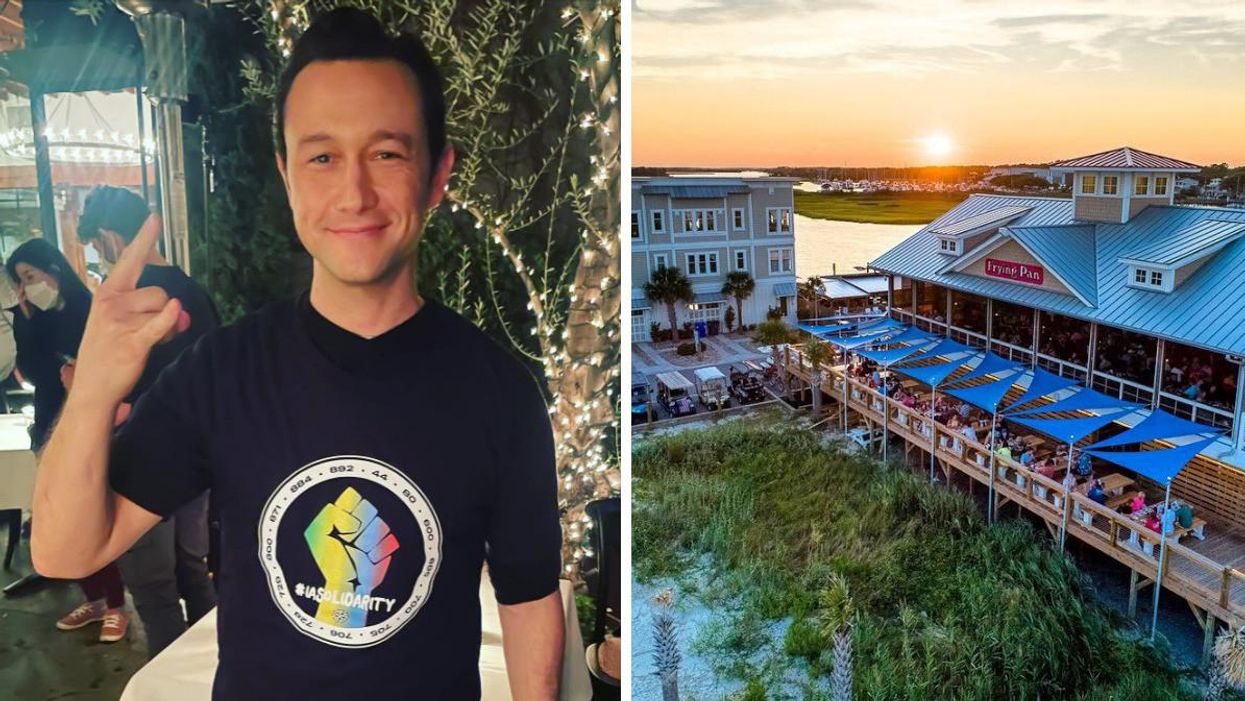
1209 574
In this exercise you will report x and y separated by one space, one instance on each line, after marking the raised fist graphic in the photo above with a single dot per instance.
352 546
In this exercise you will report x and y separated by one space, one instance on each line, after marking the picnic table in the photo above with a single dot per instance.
1115 483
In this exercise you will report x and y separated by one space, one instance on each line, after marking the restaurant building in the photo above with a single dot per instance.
1136 299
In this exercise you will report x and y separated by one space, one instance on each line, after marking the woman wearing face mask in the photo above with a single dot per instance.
48 324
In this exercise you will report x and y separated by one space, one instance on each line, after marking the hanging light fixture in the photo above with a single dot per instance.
66 146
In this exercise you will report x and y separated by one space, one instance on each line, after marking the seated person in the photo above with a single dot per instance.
966 410
1184 516
1138 503
1045 468
1005 452
1168 520
1026 457
969 432
1084 465
1097 493
1152 522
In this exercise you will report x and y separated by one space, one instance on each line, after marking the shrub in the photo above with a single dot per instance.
688 348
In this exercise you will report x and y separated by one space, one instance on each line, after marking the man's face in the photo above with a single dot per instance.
108 245
357 168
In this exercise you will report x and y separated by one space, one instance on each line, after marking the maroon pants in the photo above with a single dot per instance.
105 584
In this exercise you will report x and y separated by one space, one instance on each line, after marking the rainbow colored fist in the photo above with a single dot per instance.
352 546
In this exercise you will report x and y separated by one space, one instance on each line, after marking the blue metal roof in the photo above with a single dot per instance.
695 192
1067 250
784 289
1190 244
1213 292
983 220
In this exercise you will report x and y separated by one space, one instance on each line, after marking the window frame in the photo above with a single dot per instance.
1141 180
637 231
738 220
709 265
1092 180
741 261
658 221
1166 185
1111 185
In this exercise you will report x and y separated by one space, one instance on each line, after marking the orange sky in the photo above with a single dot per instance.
863 82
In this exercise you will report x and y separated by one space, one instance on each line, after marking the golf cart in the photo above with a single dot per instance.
640 399
712 387
675 393
746 384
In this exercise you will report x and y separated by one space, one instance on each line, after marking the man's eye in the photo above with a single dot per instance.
322 158
388 155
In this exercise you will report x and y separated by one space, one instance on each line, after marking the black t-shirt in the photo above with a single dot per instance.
195 301
361 484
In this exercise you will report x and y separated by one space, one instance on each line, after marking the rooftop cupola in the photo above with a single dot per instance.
1113 186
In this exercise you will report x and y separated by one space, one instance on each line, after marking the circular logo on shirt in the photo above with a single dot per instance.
350 547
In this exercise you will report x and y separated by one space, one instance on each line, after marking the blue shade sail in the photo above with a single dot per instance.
986 396
1043 383
1157 426
992 364
1068 430
1085 400
1159 465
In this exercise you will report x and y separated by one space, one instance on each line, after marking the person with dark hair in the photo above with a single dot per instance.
362 483
48 324
168 563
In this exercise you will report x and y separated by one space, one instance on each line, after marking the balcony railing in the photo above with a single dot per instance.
1214 586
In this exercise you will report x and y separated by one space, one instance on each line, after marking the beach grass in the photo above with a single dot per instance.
948 607
877 207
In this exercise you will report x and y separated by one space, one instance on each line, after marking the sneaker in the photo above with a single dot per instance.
116 622
85 614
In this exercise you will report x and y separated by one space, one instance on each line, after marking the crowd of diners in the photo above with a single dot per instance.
1026 451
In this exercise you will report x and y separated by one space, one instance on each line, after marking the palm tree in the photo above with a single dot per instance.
669 286
740 285
1227 668
773 333
817 353
666 657
838 615
812 289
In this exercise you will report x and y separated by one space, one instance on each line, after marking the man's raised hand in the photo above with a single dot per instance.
125 323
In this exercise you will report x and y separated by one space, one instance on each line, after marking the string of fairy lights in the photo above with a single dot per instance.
579 347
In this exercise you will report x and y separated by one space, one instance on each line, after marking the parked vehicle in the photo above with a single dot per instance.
746 384
676 393
713 388
641 399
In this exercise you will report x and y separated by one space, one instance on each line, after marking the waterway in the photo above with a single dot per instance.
825 247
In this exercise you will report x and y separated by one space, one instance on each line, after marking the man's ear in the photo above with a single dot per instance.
436 188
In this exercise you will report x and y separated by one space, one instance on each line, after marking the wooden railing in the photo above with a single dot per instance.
1211 585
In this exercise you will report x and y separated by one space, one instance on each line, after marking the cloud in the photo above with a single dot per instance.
727 39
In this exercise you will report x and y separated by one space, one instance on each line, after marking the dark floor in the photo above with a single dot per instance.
40 663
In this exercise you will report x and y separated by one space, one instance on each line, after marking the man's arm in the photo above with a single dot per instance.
78 523
531 635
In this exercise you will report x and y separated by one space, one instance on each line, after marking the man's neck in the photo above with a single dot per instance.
366 310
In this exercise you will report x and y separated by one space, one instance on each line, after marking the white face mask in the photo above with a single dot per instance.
42 295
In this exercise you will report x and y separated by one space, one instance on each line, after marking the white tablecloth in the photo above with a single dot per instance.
17 463
184 670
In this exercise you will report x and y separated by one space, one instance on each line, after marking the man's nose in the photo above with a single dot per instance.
356 192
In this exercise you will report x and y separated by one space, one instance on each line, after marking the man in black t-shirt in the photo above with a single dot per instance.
368 450
169 562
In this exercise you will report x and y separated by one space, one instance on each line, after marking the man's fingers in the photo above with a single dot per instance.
157 328
145 300
129 266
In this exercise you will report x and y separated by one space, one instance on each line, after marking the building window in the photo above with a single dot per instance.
1110 184
659 222
702 264
778 220
635 225
780 260
701 220
741 260
949 245
738 216
1150 279
1160 185
1089 184
659 261
1141 184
